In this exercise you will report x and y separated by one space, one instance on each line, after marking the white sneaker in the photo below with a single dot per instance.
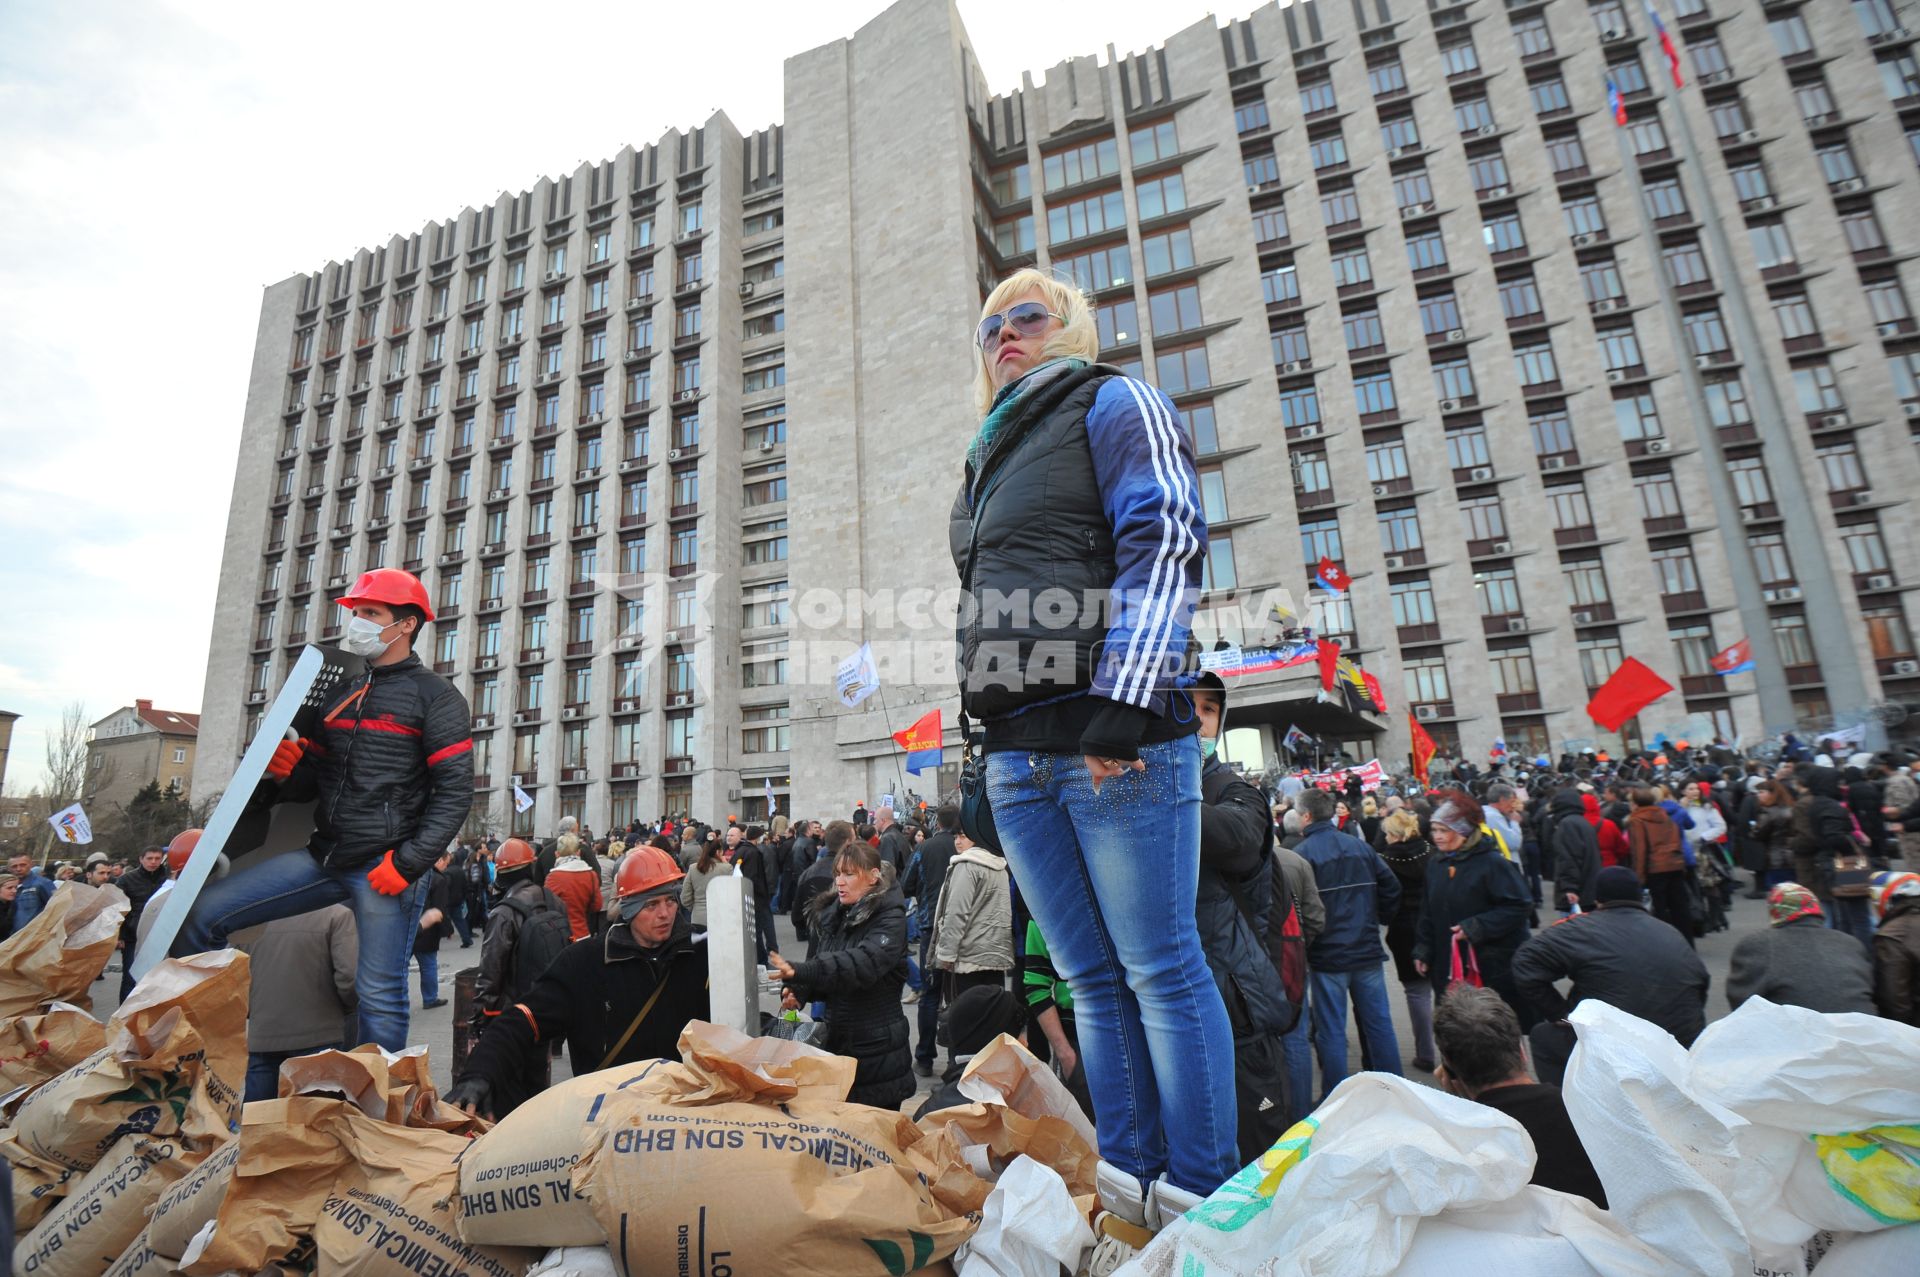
912 996
1120 1227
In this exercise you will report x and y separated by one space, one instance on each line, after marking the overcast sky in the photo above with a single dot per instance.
161 161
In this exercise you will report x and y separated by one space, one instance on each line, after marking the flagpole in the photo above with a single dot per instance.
1770 681
1826 624
886 715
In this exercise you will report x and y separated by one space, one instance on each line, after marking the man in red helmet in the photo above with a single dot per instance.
621 996
391 772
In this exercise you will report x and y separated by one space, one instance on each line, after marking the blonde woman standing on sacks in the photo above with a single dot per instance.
1079 482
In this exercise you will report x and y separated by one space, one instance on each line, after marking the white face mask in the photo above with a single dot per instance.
363 637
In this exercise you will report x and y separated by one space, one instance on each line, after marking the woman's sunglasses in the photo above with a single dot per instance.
1029 319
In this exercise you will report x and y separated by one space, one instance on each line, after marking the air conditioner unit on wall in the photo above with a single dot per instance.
1427 712
1449 405
1904 667
1880 581
1479 474
1656 445
1395 562
1516 624
1553 463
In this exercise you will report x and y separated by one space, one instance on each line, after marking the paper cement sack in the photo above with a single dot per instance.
375 1198
34 1048
90 1227
711 1163
174 1063
187 1204
575 1261
57 956
389 1086
390 1215
37 1184
140 1260
1021 1109
516 1181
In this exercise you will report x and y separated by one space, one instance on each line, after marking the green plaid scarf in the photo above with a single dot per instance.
1006 404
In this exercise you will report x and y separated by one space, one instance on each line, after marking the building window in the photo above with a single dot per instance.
1637 417
1413 603
1290 345
1552 432
1153 142
1260 172
1399 530
1439 314
1888 633
1315 99
1351 268
1693 648
1840 464
1770 558
1327 152
1399 133
1387 461
1159 197
1374 394
1512 672
1299 406
1498 592
1533 364
1482 519
1866 551
1586 582
1550 96
1361 329
1184 369
1280 284
1599 658
1426 680
1427 251
1320 538
1453 379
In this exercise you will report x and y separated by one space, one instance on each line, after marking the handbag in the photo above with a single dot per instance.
976 809
1466 965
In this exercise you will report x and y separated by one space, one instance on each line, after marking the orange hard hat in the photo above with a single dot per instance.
181 848
389 586
645 870
514 852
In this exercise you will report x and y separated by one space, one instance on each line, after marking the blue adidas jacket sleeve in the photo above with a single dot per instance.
1143 461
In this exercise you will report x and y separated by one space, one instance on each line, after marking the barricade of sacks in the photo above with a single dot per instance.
1785 1142
746 1155
132 1155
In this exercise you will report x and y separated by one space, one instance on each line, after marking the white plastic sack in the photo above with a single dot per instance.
1665 1158
1707 1155
1342 1193
1029 1227
575 1261
1537 1232
1891 1252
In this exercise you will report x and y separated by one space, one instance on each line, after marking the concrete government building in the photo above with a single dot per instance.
669 435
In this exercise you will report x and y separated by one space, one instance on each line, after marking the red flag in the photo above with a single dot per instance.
1632 688
922 742
1374 694
1673 54
1327 652
1423 748
1331 574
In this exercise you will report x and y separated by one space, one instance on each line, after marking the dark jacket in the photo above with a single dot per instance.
439 896
1357 890
1896 963
1621 955
925 874
761 866
590 995
303 992
499 945
139 886
858 968
1562 1162
896 848
811 885
1087 491
1483 893
1803 964
1408 860
1235 900
1576 851
391 769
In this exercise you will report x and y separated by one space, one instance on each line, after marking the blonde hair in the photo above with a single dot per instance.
1075 337
780 825
1400 825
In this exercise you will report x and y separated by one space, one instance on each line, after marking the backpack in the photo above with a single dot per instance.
476 871
1291 957
544 933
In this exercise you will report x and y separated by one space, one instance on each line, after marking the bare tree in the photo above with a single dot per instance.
67 756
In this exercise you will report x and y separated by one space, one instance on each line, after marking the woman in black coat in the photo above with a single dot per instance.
1407 853
1476 892
857 966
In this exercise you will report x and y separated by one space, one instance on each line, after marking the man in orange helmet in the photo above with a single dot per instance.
508 968
392 772
621 996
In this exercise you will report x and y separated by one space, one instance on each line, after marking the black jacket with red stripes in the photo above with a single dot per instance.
392 768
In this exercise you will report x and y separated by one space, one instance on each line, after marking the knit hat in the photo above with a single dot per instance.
630 906
1451 816
1790 900
97 858
977 1017
1615 883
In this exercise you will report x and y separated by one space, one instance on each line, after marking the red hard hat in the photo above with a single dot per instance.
513 853
389 586
180 848
643 869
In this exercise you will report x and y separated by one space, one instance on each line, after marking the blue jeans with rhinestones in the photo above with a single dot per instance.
1111 879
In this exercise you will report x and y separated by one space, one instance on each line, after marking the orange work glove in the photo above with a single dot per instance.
386 879
286 756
